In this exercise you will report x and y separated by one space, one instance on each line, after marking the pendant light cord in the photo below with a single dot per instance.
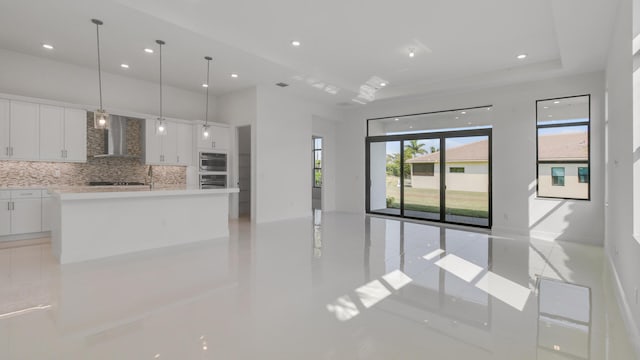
206 113
161 118
99 68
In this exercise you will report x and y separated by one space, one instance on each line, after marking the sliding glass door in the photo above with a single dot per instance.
438 176
467 180
384 177
422 179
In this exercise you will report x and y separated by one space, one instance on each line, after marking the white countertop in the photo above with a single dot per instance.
116 192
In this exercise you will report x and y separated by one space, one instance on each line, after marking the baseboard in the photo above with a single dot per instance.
37 235
625 309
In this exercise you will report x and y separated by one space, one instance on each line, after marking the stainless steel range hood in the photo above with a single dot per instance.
115 138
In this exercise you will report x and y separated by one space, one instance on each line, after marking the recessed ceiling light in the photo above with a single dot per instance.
234 75
522 56
47 46
457 117
397 119
148 51
205 85
412 53
410 127
383 84
124 66
556 102
464 112
489 108
296 43
546 107
469 123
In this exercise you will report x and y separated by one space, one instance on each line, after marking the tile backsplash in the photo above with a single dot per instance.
31 173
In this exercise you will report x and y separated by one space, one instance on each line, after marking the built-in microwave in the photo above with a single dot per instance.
213 162
213 181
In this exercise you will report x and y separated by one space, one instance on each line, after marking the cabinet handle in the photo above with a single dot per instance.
214 144
11 150
8 205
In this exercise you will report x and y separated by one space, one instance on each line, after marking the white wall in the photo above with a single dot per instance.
622 249
515 206
283 137
240 109
38 77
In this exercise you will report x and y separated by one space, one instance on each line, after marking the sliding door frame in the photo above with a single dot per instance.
442 136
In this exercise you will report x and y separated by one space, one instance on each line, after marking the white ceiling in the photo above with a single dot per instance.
458 43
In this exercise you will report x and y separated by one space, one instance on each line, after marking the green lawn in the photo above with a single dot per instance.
463 203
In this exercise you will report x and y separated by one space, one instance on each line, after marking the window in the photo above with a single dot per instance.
456 169
563 147
423 169
583 175
317 162
557 176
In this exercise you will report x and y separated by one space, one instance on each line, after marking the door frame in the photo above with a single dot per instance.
442 136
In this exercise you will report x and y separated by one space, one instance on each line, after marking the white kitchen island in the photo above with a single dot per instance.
90 223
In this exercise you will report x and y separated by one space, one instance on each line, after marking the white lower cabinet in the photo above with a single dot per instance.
47 211
26 216
5 213
21 212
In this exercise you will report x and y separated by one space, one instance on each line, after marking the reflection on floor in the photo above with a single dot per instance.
338 286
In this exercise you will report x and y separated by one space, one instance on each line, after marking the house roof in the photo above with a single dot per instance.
564 147
472 152
556 147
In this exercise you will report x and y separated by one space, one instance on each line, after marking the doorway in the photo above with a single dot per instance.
244 171
437 176
316 174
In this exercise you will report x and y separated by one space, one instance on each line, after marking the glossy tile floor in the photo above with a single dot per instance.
342 286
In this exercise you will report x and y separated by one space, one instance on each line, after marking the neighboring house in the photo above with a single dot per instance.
563 168
467 168
563 165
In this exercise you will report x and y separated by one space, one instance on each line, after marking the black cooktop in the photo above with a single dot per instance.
114 183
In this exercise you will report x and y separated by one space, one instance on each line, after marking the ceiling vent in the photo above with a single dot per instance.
281 84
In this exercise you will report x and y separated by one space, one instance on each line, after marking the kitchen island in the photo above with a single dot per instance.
90 223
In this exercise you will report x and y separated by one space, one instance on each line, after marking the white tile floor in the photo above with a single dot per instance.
351 287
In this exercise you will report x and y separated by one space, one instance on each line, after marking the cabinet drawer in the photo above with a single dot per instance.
26 194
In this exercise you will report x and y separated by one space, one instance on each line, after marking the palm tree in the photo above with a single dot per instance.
413 148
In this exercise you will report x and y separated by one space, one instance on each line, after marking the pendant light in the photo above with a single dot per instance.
205 128
161 126
100 117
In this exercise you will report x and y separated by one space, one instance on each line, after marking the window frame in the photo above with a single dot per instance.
587 176
557 182
315 169
586 123
424 173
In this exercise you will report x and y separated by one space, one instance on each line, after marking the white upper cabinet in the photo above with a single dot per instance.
75 135
63 134
51 133
24 131
185 144
173 148
153 144
218 138
5 129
